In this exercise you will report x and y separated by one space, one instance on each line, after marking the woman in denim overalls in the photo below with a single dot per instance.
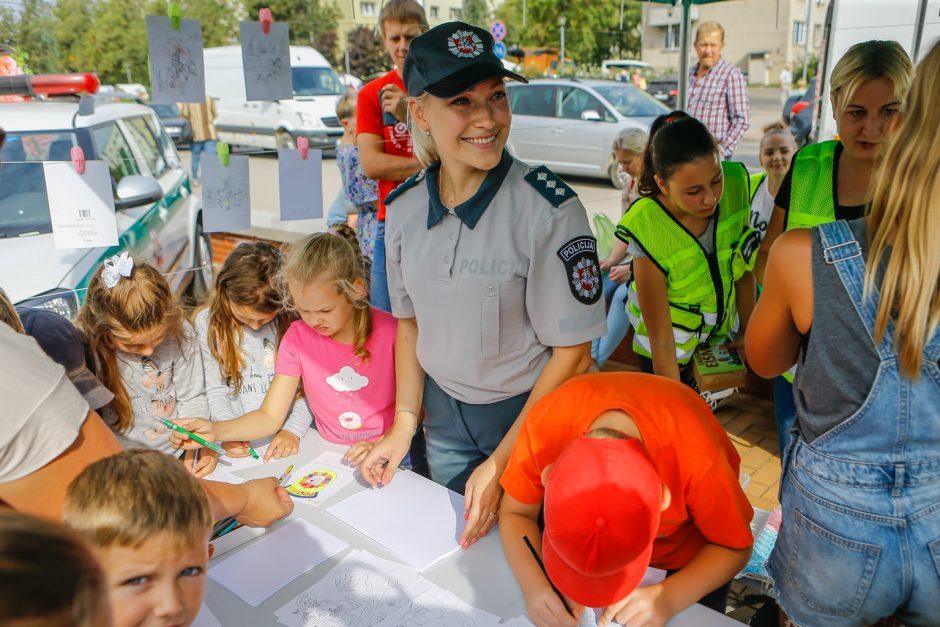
860 490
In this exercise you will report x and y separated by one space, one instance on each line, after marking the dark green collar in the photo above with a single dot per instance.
469 211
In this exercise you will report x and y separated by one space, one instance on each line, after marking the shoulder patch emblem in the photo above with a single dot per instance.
404 186
582 269
546 183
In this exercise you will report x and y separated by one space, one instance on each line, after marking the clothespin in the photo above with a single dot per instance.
175 13
303 146
264 16
78 159
223 150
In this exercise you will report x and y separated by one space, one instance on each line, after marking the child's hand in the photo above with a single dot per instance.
284 444
358 452
545 609
265 502
644 607
738 345
235 448
208 459
200 426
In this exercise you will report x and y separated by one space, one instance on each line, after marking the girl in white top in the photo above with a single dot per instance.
777 148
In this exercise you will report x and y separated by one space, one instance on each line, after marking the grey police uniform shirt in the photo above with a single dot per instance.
495 283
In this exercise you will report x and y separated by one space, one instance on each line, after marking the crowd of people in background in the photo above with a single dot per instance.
457 330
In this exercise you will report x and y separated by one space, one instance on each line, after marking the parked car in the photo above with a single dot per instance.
570 124
159 220
666 90
799 101
176 126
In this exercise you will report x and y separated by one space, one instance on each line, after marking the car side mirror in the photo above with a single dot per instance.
135 190
590 115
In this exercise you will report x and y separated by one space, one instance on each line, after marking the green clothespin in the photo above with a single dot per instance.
223 150
175 13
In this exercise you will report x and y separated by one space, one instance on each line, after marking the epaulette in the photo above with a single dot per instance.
407 184
547 183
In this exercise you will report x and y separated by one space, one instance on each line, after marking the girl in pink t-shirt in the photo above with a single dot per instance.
341 348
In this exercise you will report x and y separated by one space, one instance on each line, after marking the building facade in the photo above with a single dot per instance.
761 36
366 13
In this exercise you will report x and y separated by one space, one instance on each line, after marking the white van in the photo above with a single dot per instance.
275 123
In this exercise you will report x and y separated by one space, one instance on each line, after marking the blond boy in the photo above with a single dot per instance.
148 522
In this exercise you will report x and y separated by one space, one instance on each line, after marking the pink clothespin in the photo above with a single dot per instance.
264 16
78 159
303 146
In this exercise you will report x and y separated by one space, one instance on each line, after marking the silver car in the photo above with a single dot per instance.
570 124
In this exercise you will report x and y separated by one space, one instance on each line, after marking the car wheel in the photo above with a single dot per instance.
613 173
203 272
283 139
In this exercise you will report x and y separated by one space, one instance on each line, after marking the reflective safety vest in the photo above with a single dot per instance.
700 286
755 181
811 201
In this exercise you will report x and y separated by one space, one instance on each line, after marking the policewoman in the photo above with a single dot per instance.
693 250
829 181
493 275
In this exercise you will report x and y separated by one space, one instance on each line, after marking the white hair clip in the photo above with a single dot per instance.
115 267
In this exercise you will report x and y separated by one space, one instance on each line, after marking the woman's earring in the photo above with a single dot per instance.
427 132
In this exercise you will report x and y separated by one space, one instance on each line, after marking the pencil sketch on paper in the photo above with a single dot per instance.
176 65
438 607
266 61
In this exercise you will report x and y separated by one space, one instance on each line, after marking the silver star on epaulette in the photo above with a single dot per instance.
560 191
550 184
541 176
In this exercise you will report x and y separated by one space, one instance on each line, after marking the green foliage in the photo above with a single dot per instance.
367 55
592 29
34 36
476 12
74 23
8 25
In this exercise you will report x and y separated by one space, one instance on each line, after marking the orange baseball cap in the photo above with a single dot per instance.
602 507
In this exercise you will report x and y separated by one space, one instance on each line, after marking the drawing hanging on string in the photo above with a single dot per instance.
177 72
266 61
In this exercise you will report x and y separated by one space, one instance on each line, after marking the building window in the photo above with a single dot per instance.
671 37
799 33
455 13
367 8
434 13
817 35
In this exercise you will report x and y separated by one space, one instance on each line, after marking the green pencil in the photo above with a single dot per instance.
195 438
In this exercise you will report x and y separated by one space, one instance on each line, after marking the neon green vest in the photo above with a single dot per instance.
755 181
700 287
811 201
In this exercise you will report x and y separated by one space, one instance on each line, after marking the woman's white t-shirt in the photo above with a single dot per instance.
762 208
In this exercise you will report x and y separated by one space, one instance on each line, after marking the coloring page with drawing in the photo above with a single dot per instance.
266 61
225 194
177 72
320 479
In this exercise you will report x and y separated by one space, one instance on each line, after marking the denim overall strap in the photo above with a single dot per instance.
840 249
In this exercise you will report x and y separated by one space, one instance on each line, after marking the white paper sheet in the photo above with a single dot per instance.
81 206
205 618
361 590
436 607
266 61
235 539
177 72
225 196
300 183
319 479
416 518
274 560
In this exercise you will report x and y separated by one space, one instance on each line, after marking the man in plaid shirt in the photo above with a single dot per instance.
717 90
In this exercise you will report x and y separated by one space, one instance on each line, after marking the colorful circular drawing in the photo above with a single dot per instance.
310 485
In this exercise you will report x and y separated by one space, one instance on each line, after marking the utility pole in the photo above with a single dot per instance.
561 25
809 18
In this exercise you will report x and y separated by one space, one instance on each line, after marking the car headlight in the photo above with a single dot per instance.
62 302
173 129
308 120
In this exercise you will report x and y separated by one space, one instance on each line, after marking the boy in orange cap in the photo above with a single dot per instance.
633 470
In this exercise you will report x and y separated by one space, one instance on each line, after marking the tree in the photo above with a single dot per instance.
8 27
35 38
476 12
219 20
116 48
308 20
74 21
366 53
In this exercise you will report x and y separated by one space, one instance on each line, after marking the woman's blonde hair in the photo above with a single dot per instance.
867 61
247 279
126 499
47 575
331 258
422 144
632 140
136 304
8 313
904 222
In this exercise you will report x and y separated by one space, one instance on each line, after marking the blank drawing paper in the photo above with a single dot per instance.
416 518
276 559
361 590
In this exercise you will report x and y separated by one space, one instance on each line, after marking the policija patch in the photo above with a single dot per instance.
582 269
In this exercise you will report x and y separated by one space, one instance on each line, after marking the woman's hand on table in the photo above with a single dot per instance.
481 501
380 462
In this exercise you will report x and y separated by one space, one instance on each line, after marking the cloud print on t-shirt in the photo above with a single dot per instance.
347 380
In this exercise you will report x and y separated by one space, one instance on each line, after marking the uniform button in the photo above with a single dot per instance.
491 289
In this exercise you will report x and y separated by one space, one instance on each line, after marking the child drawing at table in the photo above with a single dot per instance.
341 348
238 331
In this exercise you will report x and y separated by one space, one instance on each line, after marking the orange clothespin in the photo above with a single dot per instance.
78 159
303 146
264 16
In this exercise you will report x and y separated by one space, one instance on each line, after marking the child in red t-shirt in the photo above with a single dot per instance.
633 470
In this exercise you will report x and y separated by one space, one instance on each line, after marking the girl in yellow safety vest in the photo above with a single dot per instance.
693 249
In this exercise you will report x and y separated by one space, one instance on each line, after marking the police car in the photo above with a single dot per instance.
159 219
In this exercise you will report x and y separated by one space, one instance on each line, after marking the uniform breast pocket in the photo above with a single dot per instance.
491 315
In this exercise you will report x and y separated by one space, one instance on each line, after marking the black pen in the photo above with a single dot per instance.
538 560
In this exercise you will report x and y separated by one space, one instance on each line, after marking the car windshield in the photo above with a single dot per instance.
631 102
316 81
24 204
166 110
